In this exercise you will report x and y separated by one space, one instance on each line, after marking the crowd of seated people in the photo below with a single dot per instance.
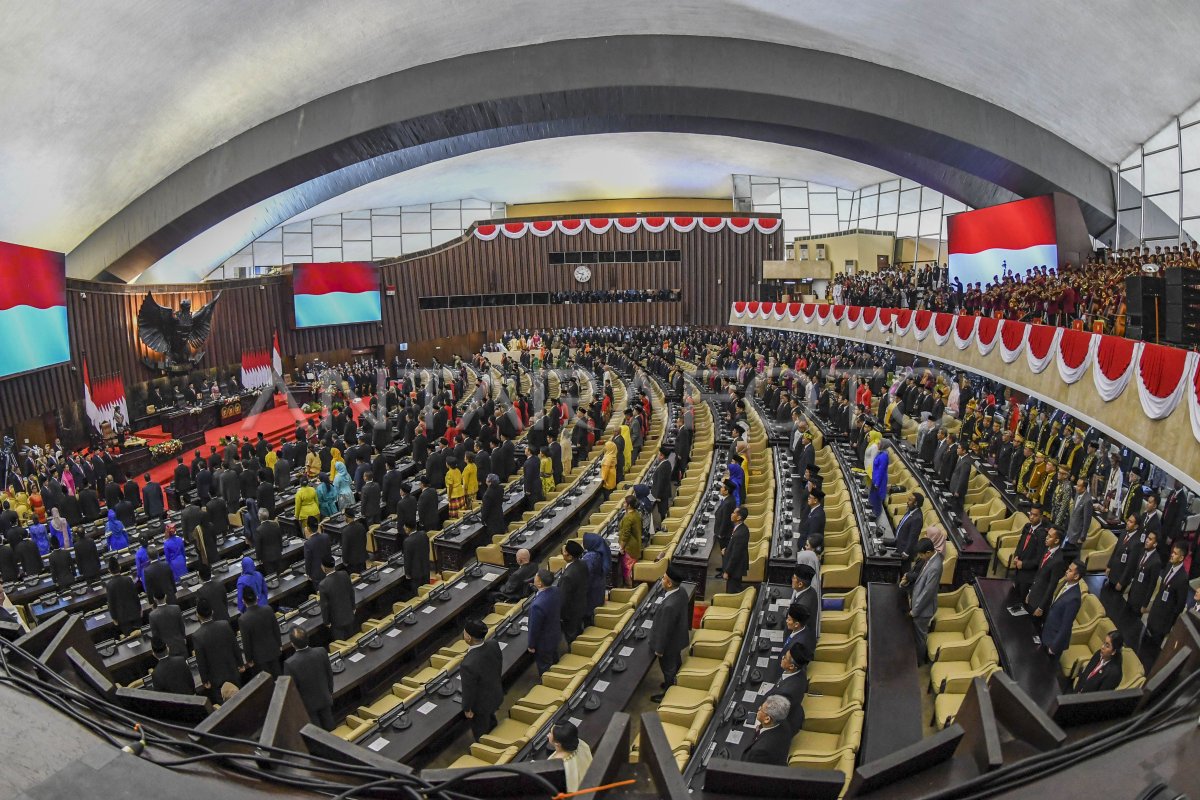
616 296
1092 293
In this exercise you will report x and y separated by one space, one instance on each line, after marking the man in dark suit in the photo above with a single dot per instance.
435 466
10 568
153 501
337 600
372 499
793 682
264 493
171 673
669 634
429 516
316 547
736 556
572 590
182 478
482 690
531 478
218 659
960 478
231 488
268 543
406 509
723 516
1125 555
309 668
89 503
1102 673
1170 599
491 512
415 547
545 621
1050 569
62 567
519 581
660 482
1144 577
166 622
158 576
391 488
354 543
814 523
1031 546
204 484
261 640
909 528
124 605
1056 632
773 739
282 473
213 590
216 512
27 553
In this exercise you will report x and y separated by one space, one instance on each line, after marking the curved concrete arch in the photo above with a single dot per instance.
952 141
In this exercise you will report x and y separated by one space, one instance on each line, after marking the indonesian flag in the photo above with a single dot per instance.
102 398
1012 237
276 356
258 365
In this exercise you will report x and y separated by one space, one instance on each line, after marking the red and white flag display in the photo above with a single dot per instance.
1012 237
103 398
258 365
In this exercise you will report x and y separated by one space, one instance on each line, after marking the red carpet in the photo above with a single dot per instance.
273 424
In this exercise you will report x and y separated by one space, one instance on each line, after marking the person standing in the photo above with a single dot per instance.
153 501
261 640
909 528
429 517
723 516
924 594
354 542
482 688
773 736
1031 546
1080 516
573 590
415 547
736 556
1125 556
1056 632
268 543
124 606
630 539
309 668
793 682
337 600
545 621
669 633
218 659
1050 569
1144 577
166 622
158 576
171 674
1170 599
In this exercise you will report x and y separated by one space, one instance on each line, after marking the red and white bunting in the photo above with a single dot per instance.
627 224
514 230
542 227
1074 353
655 224
570 226
487 232
1040 345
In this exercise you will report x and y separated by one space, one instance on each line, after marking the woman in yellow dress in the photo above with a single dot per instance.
470 478
312 464
608 467
335 458
873 440
455 491
547 471
306 503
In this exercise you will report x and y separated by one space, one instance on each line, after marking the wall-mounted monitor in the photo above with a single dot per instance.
1012 237
338 293
33 309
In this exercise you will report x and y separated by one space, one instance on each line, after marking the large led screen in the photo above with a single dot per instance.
33 309
340 293
1012 237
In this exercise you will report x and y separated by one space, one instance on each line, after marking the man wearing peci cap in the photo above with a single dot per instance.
736 555
337 600
545 624
482 690
814 523
669 634
805 595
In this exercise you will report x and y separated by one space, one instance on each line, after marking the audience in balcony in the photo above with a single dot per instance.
617 296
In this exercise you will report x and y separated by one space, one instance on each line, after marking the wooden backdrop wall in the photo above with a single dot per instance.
714 270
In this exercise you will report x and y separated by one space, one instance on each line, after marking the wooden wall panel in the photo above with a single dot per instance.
715 269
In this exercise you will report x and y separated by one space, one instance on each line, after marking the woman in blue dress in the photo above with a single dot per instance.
141 559
879 479
40 536
60 530
738 476
326 496
115 533
342 486
173 549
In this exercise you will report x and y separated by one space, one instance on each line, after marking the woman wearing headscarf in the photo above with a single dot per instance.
308 501
141 559
60 530
738 476
608 467
253 578
343 486
312 463
873 440
742 448
455 490
879 479
174 551
335 457
326 497
546 470
115 533
470 479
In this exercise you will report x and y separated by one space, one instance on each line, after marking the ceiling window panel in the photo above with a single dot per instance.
889 202
1131 225
1191 147
870 205
795 218
793 197
930 199
823 203
792 183
910 200
1191 194
870 190
907 224
1167 137
1161 215
890 186
1129 192
905 183
824 223
931 223
952 206
764 194
886 222
1161 172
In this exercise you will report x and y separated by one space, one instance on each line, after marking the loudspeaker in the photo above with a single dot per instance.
1180 277
1144 299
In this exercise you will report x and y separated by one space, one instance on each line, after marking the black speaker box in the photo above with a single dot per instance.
1181 277
1140 291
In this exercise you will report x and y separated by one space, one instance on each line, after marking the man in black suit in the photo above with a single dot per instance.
683 448
773 738
28 554
1144 577
415 547
10 568
722 517
391 488
158 576
124 605
519 583
579 436
283 472
183 478
660 483
1050 569
491 512
429 517
264 493
62 567
482 690
218 659
337 600
1102 673
171 673
572 590
204 484
1030 549
354 543
908 530
736 556
213 590
316 547
960 478
309 668
531 478
435 466
153 501
793 682
89 503
372 499
231 488
669 633
166 622
131 492
814 521
1125 555
261 640
1170 599
406 508
217 512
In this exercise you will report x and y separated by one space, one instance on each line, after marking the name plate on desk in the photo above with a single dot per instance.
426 707
378 744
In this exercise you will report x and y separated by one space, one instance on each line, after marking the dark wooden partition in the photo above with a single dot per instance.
714 270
